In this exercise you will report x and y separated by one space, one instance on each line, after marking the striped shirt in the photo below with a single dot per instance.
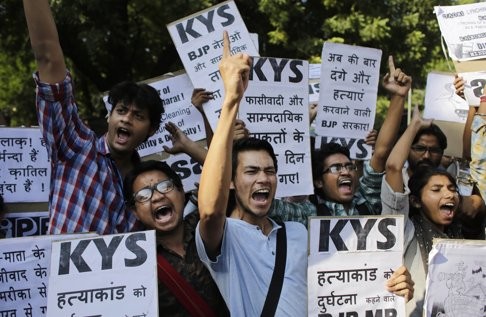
86 187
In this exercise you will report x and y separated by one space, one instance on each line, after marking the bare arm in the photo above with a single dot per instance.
45 41
397 83
216 174
199 97
399 154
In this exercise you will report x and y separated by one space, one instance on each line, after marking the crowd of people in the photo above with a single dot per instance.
228 249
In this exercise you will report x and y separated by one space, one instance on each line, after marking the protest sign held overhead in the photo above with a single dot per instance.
111 275
275 108
199 40
350 259
348 90
25 168
464 30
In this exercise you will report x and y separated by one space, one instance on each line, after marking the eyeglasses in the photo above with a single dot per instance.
146 193
422 149
337 168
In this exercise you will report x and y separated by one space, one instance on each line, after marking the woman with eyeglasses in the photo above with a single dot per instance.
429 205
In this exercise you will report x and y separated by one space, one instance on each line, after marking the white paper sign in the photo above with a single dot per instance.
199 41
24 274
456 283
358 149
275 108
350 259
187 168
111 275
441 101
473 89
24 165
348 90
464 30
24 224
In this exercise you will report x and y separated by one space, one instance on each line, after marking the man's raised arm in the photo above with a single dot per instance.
45 41
216 174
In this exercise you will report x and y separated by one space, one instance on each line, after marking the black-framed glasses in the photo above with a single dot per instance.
337 168
422 149
146 193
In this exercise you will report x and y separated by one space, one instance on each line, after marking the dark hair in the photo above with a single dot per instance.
142 95
251 144
420 178
147 166
434 130
320 155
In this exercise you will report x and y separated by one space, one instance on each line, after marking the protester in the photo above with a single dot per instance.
155 194
87 172
239 251
478 149
428 204
337 189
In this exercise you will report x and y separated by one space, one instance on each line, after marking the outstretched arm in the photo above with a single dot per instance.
399 154
216 174
199 97
182 144
45 41
397 83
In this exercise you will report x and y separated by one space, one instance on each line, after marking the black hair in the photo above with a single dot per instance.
420 178
320 155
251 144
142 95
434 130
147 166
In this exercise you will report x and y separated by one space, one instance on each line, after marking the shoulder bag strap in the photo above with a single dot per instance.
275 288
182 290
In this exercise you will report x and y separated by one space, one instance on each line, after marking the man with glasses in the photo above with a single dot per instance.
338 191
155 194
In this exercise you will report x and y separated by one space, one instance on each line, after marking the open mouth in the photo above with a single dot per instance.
162 213
122 134
261 195
345 184
447 208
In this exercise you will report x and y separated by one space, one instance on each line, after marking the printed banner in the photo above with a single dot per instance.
25 169
350 259
464 30
24 224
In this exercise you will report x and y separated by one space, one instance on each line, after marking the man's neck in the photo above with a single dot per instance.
263 223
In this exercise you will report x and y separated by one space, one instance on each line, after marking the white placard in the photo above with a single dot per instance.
473 89
348 90
24 224
275 108
24 274
187 168
111 275
358 149
464 30
25 169
350 259
198 39
456 283
441 101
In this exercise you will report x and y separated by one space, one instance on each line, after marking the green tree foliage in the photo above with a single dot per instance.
112 40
